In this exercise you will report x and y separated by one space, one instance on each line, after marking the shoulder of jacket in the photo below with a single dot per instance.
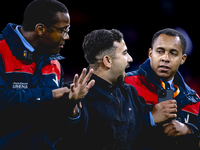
4 48
132 73
129 88
1 37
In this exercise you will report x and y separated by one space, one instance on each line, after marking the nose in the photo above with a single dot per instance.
66 37
130 59
165 57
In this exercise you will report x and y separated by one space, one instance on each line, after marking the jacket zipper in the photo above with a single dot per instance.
119 102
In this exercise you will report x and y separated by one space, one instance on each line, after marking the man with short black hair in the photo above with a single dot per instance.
159 70
112 112
34 107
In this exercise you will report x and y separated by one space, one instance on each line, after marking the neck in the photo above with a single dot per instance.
167 79
104 74
162 78
29 36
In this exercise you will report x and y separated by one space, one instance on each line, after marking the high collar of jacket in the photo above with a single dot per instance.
104 84
151 77
19 50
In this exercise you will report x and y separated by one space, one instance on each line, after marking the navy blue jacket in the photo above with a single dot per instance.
111 118
147 84
27 108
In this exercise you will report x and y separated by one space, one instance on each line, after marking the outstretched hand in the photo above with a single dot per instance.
80 86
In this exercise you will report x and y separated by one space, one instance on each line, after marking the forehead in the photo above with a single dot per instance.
121 46
63 19
165 41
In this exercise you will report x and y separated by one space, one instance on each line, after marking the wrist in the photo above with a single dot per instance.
58 93
188 130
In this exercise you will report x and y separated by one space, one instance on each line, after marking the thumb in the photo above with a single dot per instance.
72 87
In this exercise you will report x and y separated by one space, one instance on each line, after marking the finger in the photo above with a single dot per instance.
172 110
172 115
88 76
82 76
173 106
75 110
176 134
171 132
170 103
173 101
72 87
165 125
80 105
75 80
66 89
167 128
90 84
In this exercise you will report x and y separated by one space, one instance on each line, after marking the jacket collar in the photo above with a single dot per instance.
14 42
17 47
150 77
103 83
24 41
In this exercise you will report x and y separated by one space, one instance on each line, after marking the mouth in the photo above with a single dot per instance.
61 45
164 68
128 65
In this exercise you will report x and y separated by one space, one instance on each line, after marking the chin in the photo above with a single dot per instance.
164 77
120 80
55 51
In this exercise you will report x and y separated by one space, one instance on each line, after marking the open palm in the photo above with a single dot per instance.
80 86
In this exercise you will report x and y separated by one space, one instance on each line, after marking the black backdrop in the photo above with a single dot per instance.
137 20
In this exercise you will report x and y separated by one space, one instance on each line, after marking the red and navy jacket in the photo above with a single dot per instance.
26 99
147 85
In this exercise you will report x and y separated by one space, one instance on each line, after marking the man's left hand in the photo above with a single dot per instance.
176 128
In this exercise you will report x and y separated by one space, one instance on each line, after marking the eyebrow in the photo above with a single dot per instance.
164 49
66 27
126 50
160 48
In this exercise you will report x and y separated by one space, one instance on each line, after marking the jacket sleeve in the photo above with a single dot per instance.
193 123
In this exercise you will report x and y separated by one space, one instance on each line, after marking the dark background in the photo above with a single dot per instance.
137 20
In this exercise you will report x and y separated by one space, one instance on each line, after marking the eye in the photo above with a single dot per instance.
125 52
160 51
174 52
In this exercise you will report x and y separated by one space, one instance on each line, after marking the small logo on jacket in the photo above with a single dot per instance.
56 81
20 85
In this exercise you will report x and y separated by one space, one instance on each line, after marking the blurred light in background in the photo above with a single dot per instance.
189 47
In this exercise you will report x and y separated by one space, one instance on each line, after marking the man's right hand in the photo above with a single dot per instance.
78 89
80 86
164 110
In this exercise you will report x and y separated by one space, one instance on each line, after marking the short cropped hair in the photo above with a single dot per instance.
170 32
42 11
99 43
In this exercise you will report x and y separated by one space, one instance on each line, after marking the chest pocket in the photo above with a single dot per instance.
18 73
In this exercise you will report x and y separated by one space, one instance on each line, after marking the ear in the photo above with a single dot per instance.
107 61
40 29
184 57
150 53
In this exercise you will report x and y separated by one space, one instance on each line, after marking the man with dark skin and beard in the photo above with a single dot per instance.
34 106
